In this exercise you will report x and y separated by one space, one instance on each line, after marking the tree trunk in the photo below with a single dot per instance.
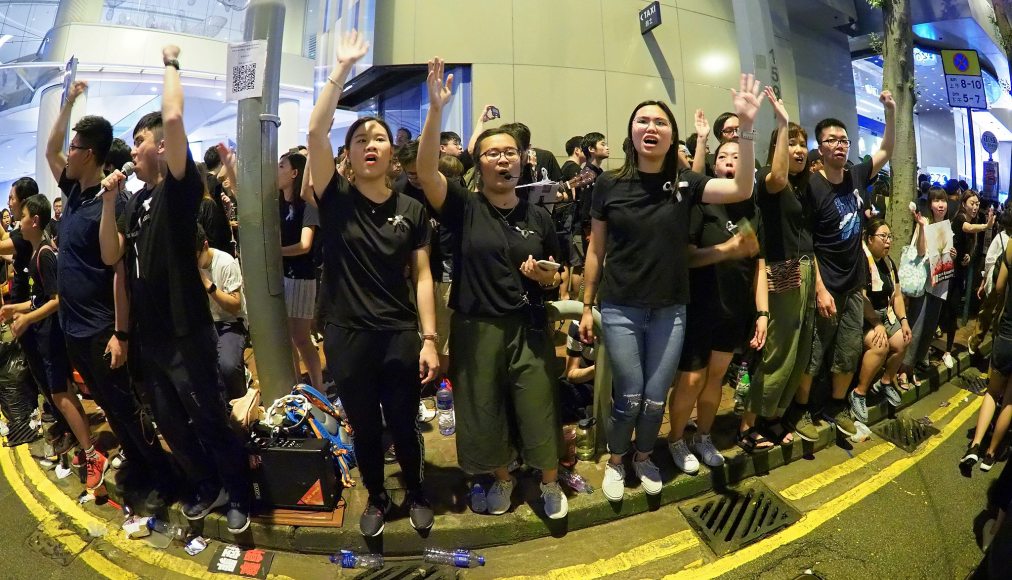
898 77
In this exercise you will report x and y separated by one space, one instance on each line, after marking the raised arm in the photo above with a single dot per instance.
919 223
176 145
885 150
969 228
702 134
111 242
746 105
479 126
776 179
427 165
321 154
55 156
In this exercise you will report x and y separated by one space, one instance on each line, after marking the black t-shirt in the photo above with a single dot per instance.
648 234
295 217
785 222
570 169
22 255
441 253
883 297
160 226
367 249
547 166
43 284
489 246
211 215
565 213
730 288
585 199
962 241
86 283
53 229
837 224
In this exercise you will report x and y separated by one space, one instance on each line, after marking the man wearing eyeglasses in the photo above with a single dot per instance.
836 202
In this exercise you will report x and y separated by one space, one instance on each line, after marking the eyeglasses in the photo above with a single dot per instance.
729 131
495 154
885 237
834 142
72 147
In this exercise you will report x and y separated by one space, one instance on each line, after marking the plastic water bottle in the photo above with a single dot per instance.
741 389
458 558
349 559
575 481
167 529
444 408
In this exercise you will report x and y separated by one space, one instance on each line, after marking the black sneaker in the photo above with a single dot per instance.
971 457
154 501
204 503
420 511
373 518
390 455
237 517
987 463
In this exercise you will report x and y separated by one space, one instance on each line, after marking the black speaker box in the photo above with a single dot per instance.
295 474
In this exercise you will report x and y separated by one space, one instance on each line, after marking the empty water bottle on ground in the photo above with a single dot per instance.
458 558
349 559
444 409
741 388
167 529
574 481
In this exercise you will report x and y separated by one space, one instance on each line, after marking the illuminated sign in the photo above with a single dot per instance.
650 17
963 82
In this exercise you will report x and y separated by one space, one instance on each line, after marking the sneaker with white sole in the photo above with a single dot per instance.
613 485
892 394
948 360
971 457
556 504
649 475
479 504
425 414
858 406
499 496
684 459
703 446
987 462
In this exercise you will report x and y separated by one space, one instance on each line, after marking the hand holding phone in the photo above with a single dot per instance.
548 265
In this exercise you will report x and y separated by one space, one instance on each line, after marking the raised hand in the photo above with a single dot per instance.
440 91
778 107
169 52
746 99
702 125
76 90
886 98
352 47
487 115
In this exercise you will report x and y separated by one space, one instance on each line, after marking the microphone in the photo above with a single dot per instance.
127 170
508 176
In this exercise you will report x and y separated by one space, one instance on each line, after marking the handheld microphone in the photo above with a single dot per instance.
127 170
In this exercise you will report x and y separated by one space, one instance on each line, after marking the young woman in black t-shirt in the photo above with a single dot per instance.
640 221
964 238
504 386
371 236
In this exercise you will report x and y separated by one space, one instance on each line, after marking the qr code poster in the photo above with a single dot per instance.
245 66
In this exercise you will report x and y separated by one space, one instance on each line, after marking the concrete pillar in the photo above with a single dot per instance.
258 210
49 108
288 132
756 48
295 27
78 12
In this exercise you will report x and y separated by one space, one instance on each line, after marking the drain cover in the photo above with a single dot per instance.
409 571
904 433
739 516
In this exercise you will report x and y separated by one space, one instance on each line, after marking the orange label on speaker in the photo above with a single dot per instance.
314 496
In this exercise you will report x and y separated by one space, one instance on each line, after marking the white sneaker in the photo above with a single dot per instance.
425 414
499 495
684 459
703 446
556 504
948 360
650 476
613 485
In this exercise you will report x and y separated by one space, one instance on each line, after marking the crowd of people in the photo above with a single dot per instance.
423 259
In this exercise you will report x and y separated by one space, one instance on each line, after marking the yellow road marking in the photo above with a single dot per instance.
52 528
831 509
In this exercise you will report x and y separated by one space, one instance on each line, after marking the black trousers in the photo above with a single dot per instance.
373 368
188 401
114 392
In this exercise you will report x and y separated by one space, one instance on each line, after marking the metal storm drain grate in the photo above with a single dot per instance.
905 433
409 571
737 517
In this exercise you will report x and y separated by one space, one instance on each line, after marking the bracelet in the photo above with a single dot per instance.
902 318
762 313
747 135
333 82
433 337
121 335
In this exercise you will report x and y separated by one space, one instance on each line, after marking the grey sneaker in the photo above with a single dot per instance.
556 504
805 427
649 475
838 414
858 406
498 496
684 459
704 448
479 504
613 485
892 394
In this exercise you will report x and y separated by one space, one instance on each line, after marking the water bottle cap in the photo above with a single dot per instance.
481 560
347 559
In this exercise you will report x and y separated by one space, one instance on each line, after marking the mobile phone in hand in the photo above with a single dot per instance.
548 265
493 112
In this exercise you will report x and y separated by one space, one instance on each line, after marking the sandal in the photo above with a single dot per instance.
753 440
780 434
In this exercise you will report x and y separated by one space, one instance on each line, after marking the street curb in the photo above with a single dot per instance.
525 522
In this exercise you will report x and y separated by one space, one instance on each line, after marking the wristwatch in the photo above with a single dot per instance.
173 63
762 313
212 288
121 335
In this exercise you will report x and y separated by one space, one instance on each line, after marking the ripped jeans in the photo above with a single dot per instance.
644 345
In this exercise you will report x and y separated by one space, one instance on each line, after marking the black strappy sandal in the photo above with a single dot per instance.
752 440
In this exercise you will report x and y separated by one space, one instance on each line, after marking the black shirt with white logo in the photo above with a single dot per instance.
294 218
786 224
837 225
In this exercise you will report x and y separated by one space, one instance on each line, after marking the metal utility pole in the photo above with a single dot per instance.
260 239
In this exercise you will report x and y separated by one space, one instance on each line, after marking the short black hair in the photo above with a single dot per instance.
38 206
448 137
152 122
590 140
212 159
408 153
24 188
405 129
719 122
201 237
963 185
826 124
521 132
690 143
573 144
119 154
95 133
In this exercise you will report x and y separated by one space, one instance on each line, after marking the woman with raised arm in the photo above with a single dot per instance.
504 383
371 235
641 225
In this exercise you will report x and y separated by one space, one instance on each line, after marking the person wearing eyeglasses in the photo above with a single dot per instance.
837 209
887 330
502 368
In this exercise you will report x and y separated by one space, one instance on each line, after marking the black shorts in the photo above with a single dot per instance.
706 332
46 355
1001 355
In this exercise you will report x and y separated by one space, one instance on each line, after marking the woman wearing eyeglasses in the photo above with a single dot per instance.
887 331
641 225
503 383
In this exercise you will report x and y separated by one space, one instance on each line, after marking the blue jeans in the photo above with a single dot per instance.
644 345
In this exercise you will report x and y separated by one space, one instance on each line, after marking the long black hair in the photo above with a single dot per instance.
298 163
630 169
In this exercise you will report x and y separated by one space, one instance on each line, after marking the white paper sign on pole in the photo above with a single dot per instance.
246 65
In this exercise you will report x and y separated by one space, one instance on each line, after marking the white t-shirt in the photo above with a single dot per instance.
994 251
227 276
